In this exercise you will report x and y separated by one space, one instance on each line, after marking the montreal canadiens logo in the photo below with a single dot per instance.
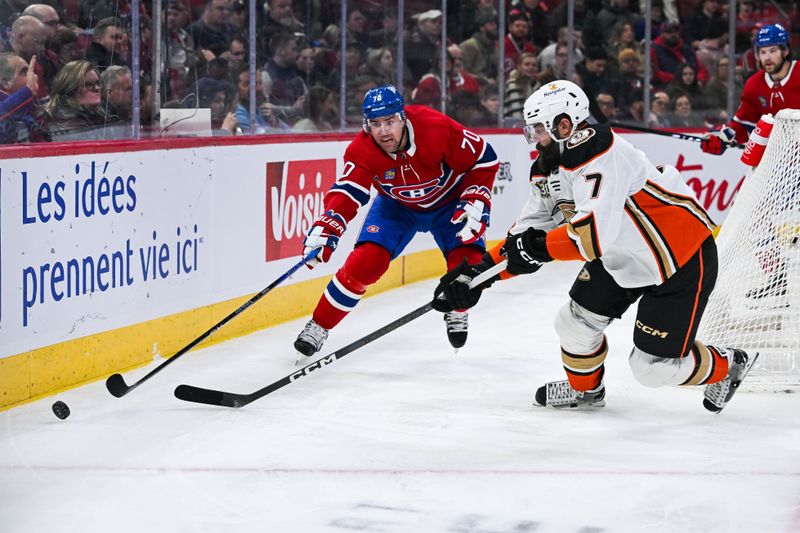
373 228
417 193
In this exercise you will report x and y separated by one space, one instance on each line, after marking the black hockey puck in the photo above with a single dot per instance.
61 410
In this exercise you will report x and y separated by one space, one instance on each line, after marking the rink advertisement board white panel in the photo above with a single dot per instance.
94 242
91 243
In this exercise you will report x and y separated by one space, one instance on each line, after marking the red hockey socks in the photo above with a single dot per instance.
364 266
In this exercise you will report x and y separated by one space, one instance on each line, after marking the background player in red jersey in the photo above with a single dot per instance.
431 175
776 86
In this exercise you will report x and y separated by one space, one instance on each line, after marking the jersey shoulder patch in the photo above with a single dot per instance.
586 144
580 137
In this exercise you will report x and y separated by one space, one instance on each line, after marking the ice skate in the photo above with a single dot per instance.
311 339
457 326
717 395
560 395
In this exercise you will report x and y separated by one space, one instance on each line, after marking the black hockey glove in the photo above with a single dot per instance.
454 286
526 251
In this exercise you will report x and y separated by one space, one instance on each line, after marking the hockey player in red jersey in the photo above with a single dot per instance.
643 237
431 175
776 86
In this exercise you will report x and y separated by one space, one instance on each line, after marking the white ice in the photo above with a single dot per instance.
403 436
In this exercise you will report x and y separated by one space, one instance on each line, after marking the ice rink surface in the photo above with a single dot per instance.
403 436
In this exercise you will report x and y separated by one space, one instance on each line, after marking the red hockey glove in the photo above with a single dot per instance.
717 142
324 233
473 209
526 251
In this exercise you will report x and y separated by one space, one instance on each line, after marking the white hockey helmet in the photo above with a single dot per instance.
548 102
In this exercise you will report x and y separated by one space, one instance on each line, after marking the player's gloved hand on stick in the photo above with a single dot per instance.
325 234
526 251
717 142
454 286
473 210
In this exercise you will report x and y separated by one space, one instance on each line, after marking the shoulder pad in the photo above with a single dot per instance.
586 144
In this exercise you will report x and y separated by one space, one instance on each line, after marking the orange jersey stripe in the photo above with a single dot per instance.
694 307
674 226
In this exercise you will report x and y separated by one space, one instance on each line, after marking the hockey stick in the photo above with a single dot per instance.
116 384
673 134
190 393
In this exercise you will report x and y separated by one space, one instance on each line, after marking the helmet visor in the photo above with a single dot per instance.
535 133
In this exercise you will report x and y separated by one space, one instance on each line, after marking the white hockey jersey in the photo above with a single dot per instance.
641 221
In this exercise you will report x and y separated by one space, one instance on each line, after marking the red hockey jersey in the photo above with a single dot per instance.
761 96
442 159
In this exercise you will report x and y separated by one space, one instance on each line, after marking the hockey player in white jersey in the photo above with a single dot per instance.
643 237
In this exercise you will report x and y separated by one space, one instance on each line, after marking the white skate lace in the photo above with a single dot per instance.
457 321
561 393
720 392
313 334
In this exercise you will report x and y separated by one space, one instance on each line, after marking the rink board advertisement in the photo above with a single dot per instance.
94 242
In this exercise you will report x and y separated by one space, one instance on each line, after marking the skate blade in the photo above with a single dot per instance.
583 406
577 406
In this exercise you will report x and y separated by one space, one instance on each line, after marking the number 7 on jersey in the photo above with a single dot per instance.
597 178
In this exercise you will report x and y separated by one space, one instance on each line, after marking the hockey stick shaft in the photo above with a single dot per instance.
194 394
190 393
116 384
673 134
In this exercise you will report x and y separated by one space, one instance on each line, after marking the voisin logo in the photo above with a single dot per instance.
295 190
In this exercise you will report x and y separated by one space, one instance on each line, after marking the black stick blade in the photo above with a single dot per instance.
207 396
116 386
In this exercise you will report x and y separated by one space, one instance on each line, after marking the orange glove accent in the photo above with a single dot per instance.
498 257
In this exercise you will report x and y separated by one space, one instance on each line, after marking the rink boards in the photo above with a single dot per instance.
113 254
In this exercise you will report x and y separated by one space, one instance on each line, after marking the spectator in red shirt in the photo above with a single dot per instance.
52 22
669 52
516 41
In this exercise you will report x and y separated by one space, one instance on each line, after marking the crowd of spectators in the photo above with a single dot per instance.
65 65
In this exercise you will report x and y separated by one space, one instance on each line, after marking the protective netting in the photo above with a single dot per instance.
756 302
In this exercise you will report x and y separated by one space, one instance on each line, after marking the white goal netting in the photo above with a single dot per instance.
756 302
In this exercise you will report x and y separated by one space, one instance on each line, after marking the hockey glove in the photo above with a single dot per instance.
454 286
473 209
717 142
527 251
324 233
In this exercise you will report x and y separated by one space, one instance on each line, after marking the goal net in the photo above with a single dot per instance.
756 303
